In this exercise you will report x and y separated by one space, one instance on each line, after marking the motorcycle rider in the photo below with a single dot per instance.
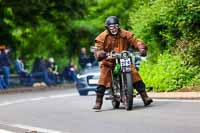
117 39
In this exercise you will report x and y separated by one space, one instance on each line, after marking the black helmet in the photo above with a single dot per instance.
112 25
111 20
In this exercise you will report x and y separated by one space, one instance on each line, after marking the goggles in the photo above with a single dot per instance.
113 28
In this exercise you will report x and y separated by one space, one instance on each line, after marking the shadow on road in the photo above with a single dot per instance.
121 108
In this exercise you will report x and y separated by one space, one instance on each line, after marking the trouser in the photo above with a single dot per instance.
6 75
100 91
44 76
2 83
99 96
26 79
139 86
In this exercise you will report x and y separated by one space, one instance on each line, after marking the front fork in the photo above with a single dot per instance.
124 87
115 93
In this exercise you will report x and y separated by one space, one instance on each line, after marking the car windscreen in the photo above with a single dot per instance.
90 70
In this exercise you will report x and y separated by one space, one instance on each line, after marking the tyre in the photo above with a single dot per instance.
113 91
83 93
115 104
129 91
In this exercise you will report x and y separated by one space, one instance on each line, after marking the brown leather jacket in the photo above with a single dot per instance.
123 41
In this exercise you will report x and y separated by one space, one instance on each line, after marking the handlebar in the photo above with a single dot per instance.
113 54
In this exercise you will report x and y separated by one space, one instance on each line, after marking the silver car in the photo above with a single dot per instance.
87 80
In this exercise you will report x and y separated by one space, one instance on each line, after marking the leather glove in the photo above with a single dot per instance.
142 49
100 55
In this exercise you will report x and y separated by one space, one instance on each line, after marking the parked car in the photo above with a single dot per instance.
87 80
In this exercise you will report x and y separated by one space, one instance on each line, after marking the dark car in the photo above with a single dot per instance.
87 80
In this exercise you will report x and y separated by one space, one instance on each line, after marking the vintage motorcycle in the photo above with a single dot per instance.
122 90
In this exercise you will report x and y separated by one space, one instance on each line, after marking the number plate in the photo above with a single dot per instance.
125 62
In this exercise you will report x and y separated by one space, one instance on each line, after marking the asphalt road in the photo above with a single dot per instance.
63 111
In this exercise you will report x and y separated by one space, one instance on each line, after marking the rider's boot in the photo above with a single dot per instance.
99 97
147 100
141 88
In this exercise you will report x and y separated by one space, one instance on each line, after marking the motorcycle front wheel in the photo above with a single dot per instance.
129 91
115 104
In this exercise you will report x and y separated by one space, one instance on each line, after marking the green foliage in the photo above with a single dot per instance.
189 51
42 41
161 23
59 28
169 25
196 79
100 10
41 28
168 74
27 11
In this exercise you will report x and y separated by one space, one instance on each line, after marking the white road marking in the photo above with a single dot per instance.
61 96
38 129
6 103
29 129
37 99
5 131
178 100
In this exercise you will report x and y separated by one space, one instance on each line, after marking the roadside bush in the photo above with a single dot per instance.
160 23
189 51
169 25
169 73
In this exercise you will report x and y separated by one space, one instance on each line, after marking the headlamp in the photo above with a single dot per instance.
125 54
